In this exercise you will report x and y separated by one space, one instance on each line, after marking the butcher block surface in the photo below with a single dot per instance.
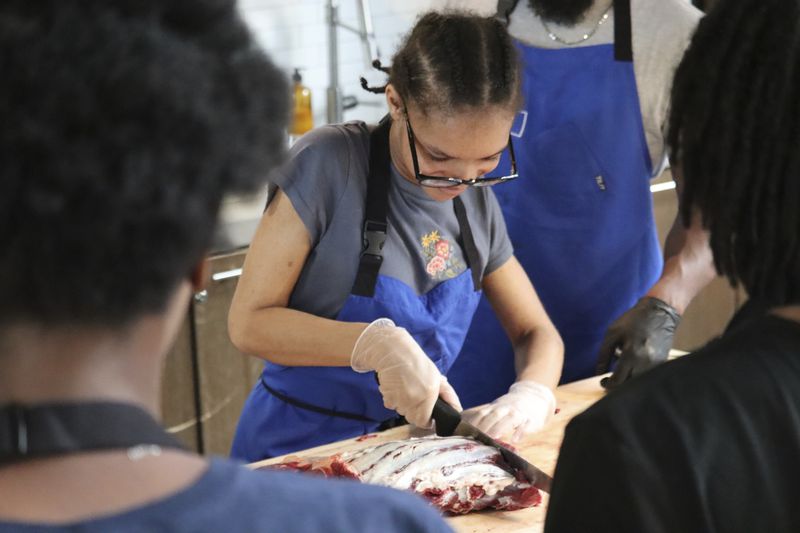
540 449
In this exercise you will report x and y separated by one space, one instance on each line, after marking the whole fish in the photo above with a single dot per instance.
456 474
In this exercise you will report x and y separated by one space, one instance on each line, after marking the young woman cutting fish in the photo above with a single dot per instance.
374 251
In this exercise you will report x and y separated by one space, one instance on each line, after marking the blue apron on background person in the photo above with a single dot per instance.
580 215
293 408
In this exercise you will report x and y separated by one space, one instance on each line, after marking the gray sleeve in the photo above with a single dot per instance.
500 247
315 176
662 30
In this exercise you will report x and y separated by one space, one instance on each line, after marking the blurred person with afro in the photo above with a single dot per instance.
122 126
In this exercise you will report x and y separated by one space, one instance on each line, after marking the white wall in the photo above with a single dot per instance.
295 34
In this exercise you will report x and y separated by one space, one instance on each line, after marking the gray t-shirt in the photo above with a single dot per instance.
326 181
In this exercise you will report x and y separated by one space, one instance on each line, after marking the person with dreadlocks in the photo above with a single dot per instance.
123 124
589 138
709 441
375 248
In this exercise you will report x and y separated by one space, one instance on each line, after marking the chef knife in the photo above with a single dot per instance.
449 423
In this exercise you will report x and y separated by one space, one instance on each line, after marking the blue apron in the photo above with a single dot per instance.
293 408
580 215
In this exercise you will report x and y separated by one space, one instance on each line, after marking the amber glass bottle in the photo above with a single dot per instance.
302 121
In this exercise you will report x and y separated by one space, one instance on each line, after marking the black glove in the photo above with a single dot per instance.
641 338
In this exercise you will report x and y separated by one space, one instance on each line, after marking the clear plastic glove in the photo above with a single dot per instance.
525 409
409 381
641 338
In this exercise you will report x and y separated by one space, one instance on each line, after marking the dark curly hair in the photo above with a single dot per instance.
122 126
454 60
735 132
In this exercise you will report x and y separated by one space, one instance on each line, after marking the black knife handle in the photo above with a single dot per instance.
445 415
446 418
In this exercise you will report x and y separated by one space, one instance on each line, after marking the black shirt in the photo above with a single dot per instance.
709 442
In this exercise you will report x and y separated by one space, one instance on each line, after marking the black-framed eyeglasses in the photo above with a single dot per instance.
442 181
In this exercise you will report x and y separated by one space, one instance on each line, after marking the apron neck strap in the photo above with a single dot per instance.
46 430
504 9
623 41
468 242
375 221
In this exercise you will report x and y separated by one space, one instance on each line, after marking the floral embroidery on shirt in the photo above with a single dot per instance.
442 263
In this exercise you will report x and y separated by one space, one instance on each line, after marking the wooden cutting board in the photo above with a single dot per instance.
540 449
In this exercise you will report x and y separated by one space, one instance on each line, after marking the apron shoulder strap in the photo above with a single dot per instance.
373 232
623 40
468 242
504 9
44 430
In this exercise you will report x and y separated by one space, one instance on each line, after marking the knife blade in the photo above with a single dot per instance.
449 423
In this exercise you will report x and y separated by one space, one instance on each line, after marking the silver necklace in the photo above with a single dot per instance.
584 37
141 451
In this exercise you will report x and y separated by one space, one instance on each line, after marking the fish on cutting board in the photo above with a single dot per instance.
458 475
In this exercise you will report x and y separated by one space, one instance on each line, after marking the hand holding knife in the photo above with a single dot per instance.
449 423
